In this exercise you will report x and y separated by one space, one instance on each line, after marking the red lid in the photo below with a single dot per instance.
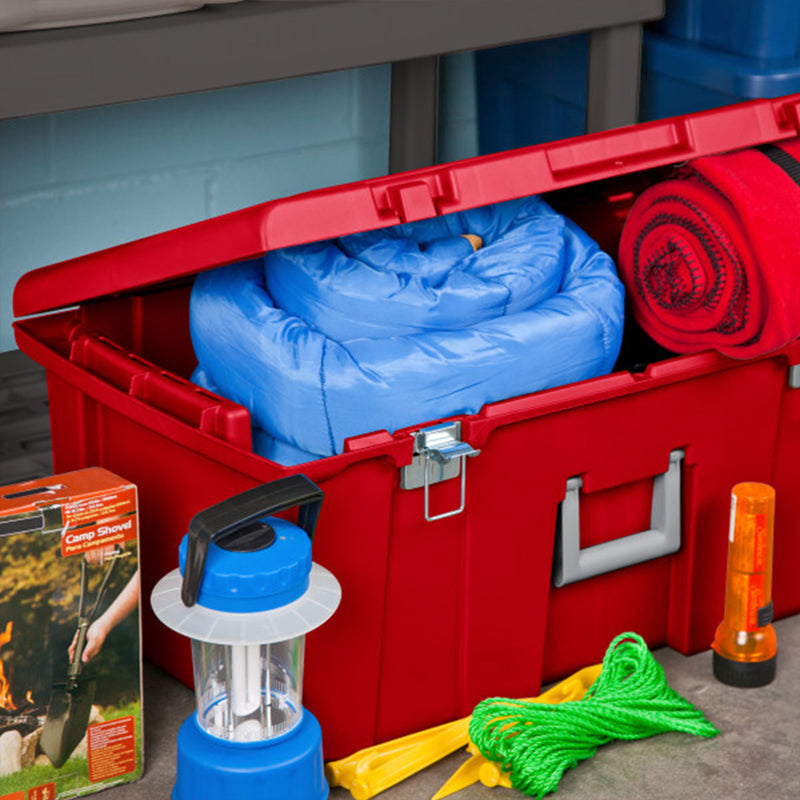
402 197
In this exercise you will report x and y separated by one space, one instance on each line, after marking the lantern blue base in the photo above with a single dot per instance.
288 768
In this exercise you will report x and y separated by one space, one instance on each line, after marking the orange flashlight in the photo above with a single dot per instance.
745 645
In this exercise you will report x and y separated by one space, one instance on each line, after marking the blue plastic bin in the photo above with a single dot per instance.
680 78
532 92
536 92
757 29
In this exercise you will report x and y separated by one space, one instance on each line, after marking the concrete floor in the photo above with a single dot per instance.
756 755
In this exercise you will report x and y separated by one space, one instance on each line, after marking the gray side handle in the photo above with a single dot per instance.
664 537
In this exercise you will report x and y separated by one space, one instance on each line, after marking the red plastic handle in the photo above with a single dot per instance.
108 360
181 399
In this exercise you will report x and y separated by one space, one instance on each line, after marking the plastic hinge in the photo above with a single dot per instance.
790 111
412 201
621 147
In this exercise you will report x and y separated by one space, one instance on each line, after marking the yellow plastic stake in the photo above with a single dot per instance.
375 769
377 775
467 774
476 768
342 772
488 772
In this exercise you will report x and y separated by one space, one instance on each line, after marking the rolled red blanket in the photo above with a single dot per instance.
711 259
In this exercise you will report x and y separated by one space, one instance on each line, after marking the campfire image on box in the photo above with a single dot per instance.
20 723
59 676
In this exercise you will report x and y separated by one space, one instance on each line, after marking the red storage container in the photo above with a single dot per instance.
591 508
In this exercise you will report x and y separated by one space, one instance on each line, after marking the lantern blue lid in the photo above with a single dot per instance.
256 580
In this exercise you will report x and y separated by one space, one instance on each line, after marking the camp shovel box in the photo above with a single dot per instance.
550 522
68 547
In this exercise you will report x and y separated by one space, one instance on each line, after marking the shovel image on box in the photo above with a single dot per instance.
71 702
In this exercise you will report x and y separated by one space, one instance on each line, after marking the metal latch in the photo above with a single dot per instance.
439 455
794 376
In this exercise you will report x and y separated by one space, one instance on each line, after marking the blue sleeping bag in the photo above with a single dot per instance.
400 326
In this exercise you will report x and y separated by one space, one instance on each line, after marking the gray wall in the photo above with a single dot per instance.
76 182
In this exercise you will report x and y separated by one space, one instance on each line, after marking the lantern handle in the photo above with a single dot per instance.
226 517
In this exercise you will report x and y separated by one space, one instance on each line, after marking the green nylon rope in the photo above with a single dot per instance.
536 742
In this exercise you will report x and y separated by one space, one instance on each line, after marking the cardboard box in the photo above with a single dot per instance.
70 643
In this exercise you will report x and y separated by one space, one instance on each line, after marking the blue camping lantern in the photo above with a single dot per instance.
246 593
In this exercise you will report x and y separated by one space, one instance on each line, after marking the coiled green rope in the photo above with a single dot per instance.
536 743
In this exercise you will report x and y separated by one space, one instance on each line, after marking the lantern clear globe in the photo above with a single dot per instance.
248 692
